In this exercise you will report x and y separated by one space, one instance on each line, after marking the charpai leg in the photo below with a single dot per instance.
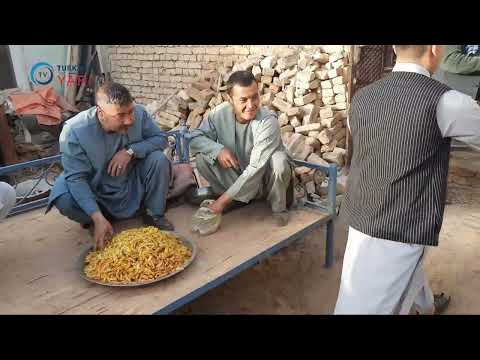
329 247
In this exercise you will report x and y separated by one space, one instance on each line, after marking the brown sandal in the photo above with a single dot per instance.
441 302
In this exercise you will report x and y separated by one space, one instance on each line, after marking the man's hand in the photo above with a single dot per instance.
219 205
119 163
102 230
227 159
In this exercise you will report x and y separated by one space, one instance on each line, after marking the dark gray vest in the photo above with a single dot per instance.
398 178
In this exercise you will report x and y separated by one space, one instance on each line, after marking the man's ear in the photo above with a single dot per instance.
435 49
99 112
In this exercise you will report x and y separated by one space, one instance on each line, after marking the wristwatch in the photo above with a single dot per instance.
130 152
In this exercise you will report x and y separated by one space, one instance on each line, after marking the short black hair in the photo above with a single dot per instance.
114 93
242 78
417 50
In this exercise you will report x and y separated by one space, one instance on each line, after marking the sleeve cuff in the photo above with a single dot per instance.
212 155
90 209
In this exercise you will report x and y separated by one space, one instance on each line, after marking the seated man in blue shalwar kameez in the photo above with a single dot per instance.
114 165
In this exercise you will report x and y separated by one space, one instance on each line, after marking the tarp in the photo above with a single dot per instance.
42 102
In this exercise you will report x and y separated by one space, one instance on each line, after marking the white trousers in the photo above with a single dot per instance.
7 199
382 277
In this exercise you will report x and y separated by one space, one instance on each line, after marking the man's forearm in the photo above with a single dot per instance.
97 216
204 145
145 147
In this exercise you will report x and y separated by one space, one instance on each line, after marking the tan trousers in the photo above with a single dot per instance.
272 182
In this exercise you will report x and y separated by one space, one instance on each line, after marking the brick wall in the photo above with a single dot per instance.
155 71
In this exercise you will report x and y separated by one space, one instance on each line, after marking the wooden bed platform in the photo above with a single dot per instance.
39 253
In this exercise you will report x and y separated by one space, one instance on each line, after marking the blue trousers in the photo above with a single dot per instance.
155 173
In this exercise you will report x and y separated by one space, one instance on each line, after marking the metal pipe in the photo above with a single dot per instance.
329 245
28 206
15 167
332 189
323 168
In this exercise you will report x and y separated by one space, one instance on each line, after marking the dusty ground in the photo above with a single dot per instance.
295 281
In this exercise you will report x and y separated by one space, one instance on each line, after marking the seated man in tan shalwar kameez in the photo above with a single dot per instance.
239 151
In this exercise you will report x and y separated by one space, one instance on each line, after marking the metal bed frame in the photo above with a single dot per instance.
182 140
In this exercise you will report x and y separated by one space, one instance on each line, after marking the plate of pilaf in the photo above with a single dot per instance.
137 257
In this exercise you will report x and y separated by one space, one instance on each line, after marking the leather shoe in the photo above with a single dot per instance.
159 222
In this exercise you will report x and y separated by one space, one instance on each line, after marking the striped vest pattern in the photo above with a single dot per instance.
396 189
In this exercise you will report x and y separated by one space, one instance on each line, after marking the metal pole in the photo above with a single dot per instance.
12 168
329 245
332 189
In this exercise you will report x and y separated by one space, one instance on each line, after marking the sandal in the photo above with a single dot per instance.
441 302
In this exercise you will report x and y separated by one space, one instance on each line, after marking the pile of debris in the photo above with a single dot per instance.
308 89
32 123
191 105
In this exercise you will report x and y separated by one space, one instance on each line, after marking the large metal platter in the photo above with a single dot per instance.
187 242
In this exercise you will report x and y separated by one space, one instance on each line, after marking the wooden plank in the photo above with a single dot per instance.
39 274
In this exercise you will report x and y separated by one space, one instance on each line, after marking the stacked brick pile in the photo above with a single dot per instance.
308 88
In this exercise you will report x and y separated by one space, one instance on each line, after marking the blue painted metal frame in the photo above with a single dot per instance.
182 144
4 170
182 141
235 271
27 164
331 171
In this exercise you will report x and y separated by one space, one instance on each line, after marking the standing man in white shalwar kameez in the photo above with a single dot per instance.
401 128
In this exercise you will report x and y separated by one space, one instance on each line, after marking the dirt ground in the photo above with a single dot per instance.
295 281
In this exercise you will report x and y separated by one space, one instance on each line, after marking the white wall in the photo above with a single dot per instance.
25 56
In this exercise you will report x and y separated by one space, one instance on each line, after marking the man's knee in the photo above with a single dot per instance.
64 203
158 159
280 165
157 171
205 168
157 162
201 162
67 206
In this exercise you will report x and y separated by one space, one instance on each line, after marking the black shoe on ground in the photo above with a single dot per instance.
159 222
90 227
441 302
